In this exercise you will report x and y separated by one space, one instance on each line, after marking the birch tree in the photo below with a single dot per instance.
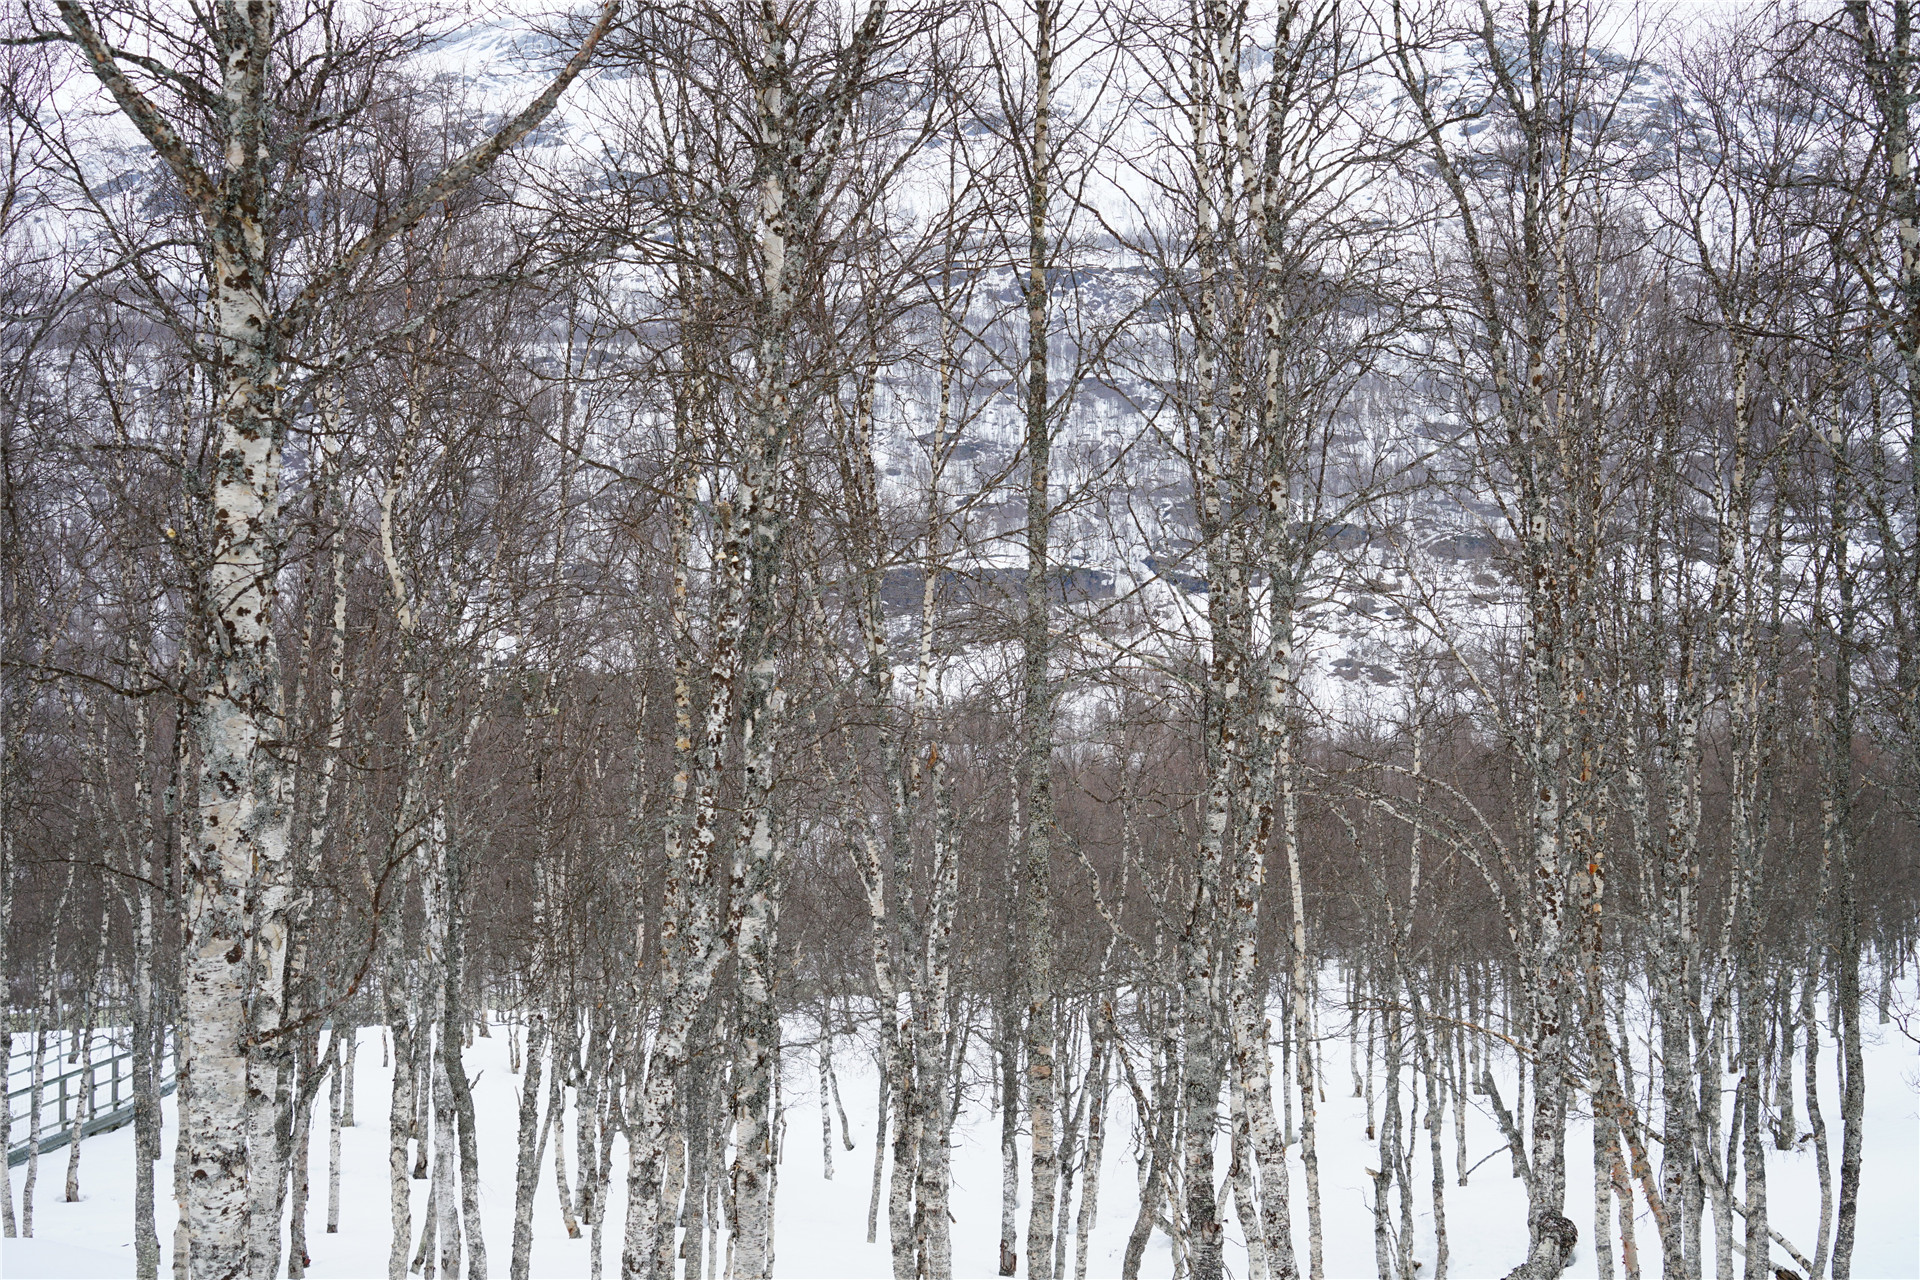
220 127
1271 164
1532 349
801 74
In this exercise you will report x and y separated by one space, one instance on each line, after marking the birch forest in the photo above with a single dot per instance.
1313 604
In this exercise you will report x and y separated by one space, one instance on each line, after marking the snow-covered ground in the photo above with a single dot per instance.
821 1225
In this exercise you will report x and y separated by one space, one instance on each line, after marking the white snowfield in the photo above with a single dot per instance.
821 1228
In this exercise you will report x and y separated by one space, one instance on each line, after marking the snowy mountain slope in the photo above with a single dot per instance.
1126 536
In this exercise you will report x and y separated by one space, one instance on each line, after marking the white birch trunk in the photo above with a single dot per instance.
1036 689
337 1086
533 1129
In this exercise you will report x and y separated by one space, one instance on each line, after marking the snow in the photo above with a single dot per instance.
60 1259
821 1225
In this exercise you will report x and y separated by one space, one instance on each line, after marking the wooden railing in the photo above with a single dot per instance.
62 1092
